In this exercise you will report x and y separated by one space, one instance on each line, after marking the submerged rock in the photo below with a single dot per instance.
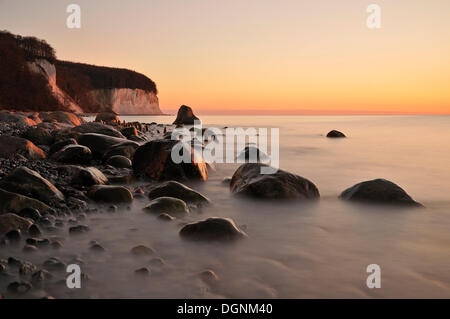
14 203
185 116
12 222
73 154
180 191
25 181
166 217
379 191
110 194
213 229
252 154
155 161
335 134
248 181
142 250
170 205
11 146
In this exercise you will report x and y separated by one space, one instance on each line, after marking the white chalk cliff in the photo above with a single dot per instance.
48 70
127 101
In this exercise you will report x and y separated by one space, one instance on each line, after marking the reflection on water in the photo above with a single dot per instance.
294 250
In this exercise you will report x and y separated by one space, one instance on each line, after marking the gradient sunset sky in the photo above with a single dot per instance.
260 56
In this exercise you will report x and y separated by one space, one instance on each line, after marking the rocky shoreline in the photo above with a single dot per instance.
55 169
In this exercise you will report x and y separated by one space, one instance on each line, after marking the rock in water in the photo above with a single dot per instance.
99 144
119 161
110 194
73 154
252 154
154 159
335 134
170 205
12 202
84 176
10 146
185 116
213 229
12 222
379 191
107 117
27 182
248 181
178 190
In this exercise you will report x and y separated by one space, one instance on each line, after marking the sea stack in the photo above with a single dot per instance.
185 116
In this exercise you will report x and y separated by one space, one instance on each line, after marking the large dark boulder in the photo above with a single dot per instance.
178 190
27 182
73 154
379 191
213 229
84 176
110 194
154 160
98 128
39 136
185 116
59 145
248 181
10 146
99 144
15 203
335 134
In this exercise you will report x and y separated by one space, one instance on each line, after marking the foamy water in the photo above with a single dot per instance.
293 250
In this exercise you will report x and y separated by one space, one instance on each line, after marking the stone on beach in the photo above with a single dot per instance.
142 250
61 117
84 176
248 181
73 154
10 146
107 117
213 229
180 191
99 144
97 128
119 161
11 222
379 191
39 136
169 205
12 202
110 194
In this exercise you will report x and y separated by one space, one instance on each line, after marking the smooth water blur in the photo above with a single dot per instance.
298 250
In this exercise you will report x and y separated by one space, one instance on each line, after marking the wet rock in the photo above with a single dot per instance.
180 191
110 194
29 248
18 119
38 242
79 229
129 132
379 191
45 221
11 222
122 149
12 146
107 117
119 161
248 181
155 161
34 230
26 269
61 117
56 244
97 248
30 213
252 154
97 128
40 276
212 229
39 136
14 262
112 209
54 264
84 176
185 116
144 271
165 216
59 145
73 154
142 250
19 287
99 144
173 206
14 235
209 277
335 134
12 202
27 182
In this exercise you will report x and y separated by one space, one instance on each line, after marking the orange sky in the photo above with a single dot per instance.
260 56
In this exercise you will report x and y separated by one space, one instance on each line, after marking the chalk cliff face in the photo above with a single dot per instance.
127 101
48 70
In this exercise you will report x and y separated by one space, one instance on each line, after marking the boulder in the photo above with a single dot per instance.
119 161
18 119
99 144
10 222
27 182
84 176
129 132
123 149
10 146
213 229
173 206
97 128
110 194
73 154
180 191
185 116
252 154
248 181
59 145
39 136
335 134
142 250
61 117
107 117
154 160
379 191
